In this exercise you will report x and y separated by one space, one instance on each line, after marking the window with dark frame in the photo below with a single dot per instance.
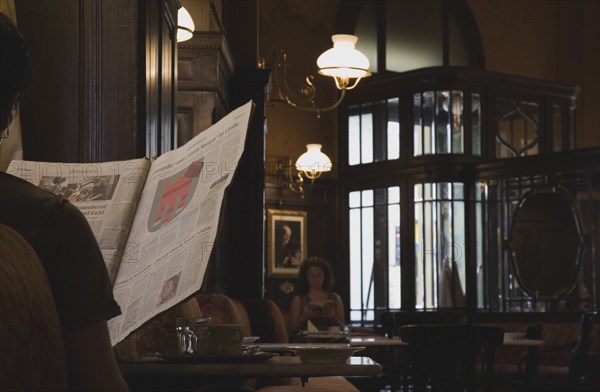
431 180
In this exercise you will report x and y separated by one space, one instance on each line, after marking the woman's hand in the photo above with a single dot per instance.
329 310
310 312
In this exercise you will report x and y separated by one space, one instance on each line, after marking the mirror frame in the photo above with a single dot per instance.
557 190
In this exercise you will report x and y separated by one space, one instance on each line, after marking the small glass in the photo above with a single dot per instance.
192 335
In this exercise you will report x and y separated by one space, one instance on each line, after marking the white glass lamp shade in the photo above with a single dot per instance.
313 162
343 61
185 25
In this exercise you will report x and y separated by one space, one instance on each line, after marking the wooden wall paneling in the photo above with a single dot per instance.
50 106
161 75
113 95
239 251
103 79
152 88
168 70
205 67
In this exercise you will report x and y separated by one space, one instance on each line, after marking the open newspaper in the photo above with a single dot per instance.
155 222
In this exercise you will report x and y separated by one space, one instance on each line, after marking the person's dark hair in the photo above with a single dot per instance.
319 262
13 60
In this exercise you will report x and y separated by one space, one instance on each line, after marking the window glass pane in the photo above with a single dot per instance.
367 198
456 114
444 191
374 230
355 258
428 111
381 197
458 252
458 191
480 190
418 192
366 135
440 239
458 48
442 122
419 273
414 34
394 194
366 32
354 140
380 141
393 135
393 129
394 292
354 199
368 297
417 125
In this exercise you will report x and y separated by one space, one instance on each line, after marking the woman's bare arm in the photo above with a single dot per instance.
339 310
295 314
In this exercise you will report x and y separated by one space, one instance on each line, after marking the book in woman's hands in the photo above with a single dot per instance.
324 309
324 315
155 221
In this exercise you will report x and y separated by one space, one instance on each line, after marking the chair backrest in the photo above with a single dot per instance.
388 322
446 353
267 321
534 331
442 317
452 334
223 310
32 353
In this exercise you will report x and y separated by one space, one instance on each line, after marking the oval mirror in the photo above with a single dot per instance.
546 243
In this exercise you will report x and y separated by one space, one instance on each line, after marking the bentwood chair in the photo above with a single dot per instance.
442 356
32 354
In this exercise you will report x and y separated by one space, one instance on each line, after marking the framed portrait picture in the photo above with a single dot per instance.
286 242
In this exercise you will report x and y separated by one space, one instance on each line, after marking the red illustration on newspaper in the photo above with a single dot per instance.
173 194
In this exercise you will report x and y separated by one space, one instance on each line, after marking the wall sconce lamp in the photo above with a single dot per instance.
346 65
185 25
311 164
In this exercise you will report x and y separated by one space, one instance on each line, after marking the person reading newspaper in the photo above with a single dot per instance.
65 244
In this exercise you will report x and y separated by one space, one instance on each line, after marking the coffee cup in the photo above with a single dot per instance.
224 339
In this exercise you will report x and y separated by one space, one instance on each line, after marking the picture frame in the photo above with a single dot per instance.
286 242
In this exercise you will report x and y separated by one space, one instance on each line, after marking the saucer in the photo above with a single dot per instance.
242 358
324 353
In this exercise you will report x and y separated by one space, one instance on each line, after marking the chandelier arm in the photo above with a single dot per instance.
308 90
284 169
354 85
313 108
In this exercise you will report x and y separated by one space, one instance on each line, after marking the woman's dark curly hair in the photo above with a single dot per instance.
13 60
319 262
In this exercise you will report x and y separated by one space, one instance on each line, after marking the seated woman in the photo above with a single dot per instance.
314 299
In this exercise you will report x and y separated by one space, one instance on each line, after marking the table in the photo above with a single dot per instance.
519 339
382 341
531 366
392 346
376 341
395 345
395 362
279 366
